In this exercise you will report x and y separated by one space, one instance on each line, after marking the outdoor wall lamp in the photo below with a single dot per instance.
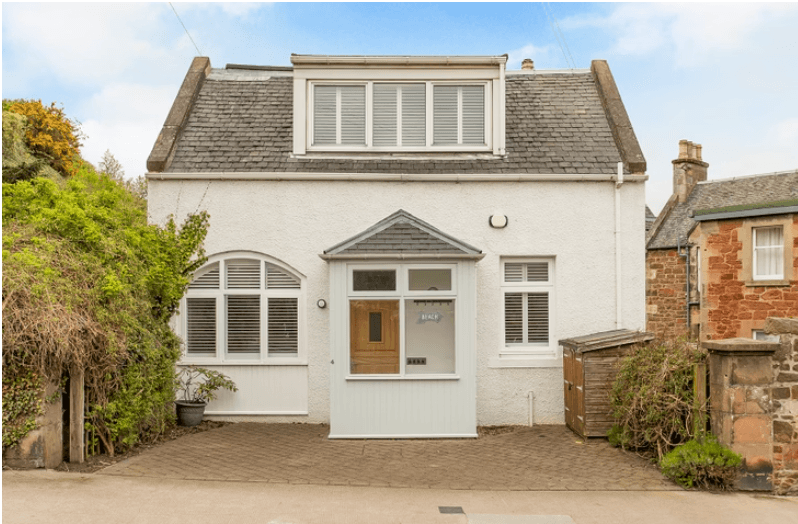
321 303
498 221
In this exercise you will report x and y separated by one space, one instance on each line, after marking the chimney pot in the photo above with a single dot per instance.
683 145
528 64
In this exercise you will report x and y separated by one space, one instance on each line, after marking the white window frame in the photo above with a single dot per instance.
544 352
779 249
369 147
401 294
222 357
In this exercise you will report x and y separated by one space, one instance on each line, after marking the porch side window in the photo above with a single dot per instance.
242 308
768 253
527 298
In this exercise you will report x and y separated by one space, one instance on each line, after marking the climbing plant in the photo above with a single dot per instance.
89 284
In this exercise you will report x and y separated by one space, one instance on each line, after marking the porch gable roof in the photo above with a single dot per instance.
401 235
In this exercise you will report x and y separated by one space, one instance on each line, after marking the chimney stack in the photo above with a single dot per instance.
527 64
688 169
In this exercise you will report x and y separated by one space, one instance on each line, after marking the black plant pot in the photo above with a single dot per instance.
189 413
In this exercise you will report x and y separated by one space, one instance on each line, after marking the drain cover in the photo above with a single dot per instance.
451 509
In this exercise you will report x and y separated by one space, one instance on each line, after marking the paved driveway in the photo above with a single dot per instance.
534 459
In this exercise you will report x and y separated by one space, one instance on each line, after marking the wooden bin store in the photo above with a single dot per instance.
590 363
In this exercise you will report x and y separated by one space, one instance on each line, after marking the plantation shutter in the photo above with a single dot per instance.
278 279
537 318
353 115
243 274
201 326
243 323
414 115
473 111
283 326
207 280
385 123
526 272
324 115
513 318
444 117
514 272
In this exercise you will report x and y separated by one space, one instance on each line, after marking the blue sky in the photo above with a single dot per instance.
722 75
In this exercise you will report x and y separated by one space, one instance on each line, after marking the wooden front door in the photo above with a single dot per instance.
374 336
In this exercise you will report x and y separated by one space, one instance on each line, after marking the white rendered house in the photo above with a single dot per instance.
398 243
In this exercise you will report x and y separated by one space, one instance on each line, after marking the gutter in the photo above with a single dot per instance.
393 177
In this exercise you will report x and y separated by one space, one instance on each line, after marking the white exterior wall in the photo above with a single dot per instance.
294 221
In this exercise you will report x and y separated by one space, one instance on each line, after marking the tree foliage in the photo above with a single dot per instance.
653 399
49 134
88 284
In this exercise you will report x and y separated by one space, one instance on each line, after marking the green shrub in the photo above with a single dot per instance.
702 463
653 399
88 283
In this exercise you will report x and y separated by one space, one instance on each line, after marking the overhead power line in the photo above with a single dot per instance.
199 53
558 34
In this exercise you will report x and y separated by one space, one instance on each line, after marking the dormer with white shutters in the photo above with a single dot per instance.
398 104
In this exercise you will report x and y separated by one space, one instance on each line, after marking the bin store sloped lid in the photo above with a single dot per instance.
606 339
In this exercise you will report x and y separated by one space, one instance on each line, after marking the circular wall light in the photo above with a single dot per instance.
498 221
321 303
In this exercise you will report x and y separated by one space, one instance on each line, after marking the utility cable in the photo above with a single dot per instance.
558 35
199 53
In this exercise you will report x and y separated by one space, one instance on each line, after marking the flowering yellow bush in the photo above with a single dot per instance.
50 133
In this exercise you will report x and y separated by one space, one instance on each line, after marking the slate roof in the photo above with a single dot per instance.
402 233
650 218
740 191
555 124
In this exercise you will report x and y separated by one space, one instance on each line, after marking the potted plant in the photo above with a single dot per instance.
196 387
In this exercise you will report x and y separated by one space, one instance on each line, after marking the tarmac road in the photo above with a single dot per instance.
53 497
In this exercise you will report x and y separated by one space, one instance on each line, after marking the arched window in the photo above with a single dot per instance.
242 307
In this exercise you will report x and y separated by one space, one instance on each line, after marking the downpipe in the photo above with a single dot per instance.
531 398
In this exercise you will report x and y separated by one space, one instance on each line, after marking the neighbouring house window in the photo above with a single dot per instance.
242 308
527 298
402 320
384 116
758 334
768 255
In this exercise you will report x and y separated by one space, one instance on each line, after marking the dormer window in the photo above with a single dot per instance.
382 116
418 104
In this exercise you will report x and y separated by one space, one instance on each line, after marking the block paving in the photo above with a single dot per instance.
540 458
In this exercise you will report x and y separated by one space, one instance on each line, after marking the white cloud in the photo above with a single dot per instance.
85 44
691 31
128 119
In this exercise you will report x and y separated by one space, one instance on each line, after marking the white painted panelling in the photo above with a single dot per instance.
263 390
572 222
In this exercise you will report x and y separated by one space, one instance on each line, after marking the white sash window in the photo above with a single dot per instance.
768 253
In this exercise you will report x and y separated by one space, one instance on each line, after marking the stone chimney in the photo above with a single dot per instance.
528 64
688 169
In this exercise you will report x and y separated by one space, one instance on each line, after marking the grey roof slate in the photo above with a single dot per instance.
402 232
555 124
722 193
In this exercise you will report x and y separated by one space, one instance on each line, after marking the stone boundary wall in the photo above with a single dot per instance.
754 405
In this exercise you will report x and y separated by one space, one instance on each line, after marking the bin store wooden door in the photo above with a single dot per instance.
374 336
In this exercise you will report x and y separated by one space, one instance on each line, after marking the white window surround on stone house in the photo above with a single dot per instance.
398 104
243 308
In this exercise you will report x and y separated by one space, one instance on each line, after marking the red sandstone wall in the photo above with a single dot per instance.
732 308
665 293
